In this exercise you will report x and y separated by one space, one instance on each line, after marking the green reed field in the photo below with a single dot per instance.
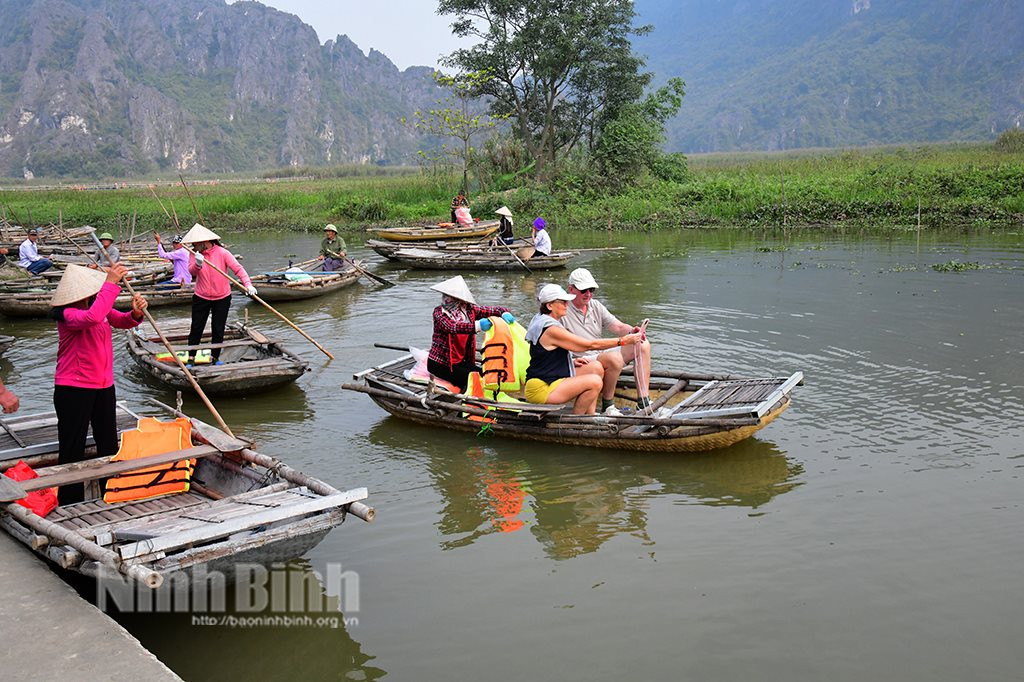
961 185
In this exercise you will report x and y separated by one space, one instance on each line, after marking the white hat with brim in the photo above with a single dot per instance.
582 279
456 288
553 292
77 283
198 233
504 211
330 228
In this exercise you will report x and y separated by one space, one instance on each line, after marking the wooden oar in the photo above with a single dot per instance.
9 430
259 300
370 275
167 344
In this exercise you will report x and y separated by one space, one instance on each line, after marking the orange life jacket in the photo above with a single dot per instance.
152 437
506 356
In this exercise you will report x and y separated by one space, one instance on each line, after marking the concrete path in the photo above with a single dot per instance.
48 632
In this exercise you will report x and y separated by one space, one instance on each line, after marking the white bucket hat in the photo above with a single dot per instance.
456 288
553 292
198 233
582 279
504 211
77 282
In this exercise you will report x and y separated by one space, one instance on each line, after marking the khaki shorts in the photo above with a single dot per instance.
537 390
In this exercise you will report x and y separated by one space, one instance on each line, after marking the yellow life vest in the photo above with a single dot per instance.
506 356
152 437
167 357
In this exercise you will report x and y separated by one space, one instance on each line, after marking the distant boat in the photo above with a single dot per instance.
492 259
35 302
442 231
296 285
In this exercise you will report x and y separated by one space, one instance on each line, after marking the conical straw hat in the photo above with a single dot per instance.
77 283
198 233
456 288
504 211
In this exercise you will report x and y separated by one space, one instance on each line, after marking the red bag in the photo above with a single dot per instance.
39 502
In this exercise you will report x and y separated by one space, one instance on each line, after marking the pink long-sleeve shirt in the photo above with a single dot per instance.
210 284
85 352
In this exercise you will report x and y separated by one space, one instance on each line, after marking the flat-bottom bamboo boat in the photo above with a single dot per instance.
241 506
689 412
35 301
496 259
297 285
443 231
388 249
251 361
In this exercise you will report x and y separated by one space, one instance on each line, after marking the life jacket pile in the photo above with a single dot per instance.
39 502
152 437
506 356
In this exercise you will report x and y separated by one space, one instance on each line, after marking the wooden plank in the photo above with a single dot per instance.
214 531
103 467
10 490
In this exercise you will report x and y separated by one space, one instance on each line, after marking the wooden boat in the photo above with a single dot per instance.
36 303
689 413
388 249
5 343
242 506
251 361
280 285
142 272
494 259
444 231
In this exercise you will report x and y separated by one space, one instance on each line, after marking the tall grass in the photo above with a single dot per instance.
955 185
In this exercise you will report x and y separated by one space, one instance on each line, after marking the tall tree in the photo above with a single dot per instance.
560 69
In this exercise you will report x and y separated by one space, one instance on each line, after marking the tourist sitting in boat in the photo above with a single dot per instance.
505 227
462 215
541 238
212 297
107 240
452 354
28 255
83 393
554 376
332 250
8 401
177 255
457 201
587 317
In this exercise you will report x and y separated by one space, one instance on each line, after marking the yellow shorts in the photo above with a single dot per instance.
537 391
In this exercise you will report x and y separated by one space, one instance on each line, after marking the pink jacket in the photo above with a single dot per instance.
85 354
210 284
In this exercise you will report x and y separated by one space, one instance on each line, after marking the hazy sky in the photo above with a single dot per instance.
409 32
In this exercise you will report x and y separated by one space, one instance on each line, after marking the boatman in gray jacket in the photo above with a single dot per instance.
588 317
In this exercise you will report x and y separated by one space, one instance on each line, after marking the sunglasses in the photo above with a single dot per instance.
587 291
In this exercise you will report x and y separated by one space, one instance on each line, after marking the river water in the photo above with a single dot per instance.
874 531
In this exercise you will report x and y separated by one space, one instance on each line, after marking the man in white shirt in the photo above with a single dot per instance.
588 318
28 255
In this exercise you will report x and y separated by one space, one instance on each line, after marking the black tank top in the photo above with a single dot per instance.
548 365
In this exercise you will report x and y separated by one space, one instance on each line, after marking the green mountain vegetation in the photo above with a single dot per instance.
786 74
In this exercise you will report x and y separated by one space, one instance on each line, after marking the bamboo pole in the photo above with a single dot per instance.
369 275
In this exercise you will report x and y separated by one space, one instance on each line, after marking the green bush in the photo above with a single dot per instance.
1010 141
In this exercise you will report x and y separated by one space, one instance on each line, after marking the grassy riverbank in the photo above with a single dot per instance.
969 185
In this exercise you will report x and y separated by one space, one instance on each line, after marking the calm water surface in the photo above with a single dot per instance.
874 531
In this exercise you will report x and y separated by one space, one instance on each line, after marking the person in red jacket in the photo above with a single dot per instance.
83 390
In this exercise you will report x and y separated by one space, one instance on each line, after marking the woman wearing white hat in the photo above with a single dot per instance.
452 354
83 391
212 296
554 377
505 227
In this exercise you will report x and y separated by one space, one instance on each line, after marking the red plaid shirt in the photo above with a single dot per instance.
457 340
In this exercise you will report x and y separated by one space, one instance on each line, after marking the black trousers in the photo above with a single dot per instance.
77 410
202 309
458 375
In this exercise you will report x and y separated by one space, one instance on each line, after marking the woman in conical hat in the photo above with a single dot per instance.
212 296
452 354
83 391
505 228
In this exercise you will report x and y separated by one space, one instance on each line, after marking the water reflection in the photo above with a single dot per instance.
573 500
315 640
